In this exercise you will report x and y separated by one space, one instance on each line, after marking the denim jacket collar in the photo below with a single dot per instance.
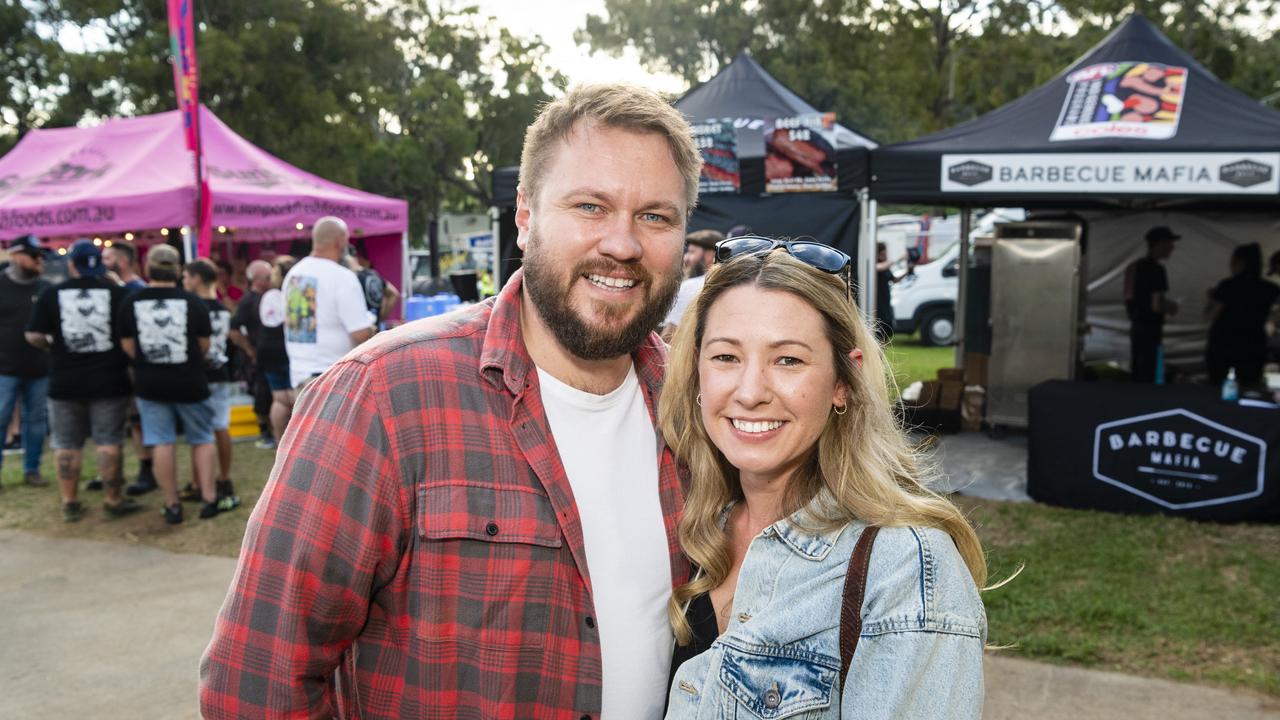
796 529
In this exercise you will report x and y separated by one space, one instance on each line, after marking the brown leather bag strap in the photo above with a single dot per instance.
855 589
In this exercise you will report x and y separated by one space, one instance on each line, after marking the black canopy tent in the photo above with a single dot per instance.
1207 155
1046 150
744 93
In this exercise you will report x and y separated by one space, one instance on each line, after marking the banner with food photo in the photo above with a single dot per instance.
718 142
801 154
1141 100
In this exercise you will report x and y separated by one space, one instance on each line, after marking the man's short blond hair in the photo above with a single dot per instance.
618 105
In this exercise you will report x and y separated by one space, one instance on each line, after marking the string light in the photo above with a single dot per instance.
62 251
298 226
222 228
97 241
183 231
107 244
164 232
128 236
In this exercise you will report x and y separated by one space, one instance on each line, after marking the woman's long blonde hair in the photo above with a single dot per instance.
863 457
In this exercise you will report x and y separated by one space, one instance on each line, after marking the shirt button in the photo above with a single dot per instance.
491 528
772 698
591 622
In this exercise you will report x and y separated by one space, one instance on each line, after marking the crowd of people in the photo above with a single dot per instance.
106 353
1237 310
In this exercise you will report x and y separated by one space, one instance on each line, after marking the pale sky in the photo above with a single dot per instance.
555 23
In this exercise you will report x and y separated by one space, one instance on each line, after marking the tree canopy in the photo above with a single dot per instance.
421 99
898 70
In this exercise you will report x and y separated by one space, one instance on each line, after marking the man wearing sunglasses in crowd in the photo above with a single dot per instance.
473 516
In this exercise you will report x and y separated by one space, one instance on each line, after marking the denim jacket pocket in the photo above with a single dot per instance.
487 555
780 682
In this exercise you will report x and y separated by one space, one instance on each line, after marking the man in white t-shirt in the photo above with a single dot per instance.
325 314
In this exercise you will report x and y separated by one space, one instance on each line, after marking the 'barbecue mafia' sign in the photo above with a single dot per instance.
1179 460
1113 173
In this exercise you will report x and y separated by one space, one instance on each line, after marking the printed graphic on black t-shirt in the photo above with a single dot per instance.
86 360
162 330
166 324
86 319
217 358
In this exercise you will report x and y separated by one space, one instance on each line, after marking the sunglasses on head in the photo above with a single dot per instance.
810 252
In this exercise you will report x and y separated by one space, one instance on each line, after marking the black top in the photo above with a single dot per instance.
218 357
1144 278
246 318
884 308
1246 303
86 359
18 358
166 322
374 287
701 615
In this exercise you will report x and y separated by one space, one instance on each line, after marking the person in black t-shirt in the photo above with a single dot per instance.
1238 310
884 305
245 332
200 278
24 370
1146 287
89 382
166 331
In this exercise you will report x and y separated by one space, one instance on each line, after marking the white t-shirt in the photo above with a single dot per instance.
610 453
689 289
324 304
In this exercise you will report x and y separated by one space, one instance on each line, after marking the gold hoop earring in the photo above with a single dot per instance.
840 409
699 399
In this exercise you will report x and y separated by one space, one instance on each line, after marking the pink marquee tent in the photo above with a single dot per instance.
134 175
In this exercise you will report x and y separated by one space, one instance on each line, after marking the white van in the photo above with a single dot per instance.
926 299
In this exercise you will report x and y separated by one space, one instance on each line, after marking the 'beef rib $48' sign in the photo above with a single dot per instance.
1179 460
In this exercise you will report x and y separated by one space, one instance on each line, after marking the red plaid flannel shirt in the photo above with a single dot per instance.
417 552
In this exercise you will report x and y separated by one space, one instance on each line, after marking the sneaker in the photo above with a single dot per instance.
126 506
265 444
95 484
143 485
227 498
208 510
13 446
72 511
35 480
172 513
189 493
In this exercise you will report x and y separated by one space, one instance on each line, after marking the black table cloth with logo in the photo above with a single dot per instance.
1179 450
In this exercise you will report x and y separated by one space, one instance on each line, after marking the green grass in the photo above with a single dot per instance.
910 361
39 509
1146 595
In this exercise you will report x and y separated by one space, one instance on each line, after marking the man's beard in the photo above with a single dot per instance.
27 273
551 299
697 269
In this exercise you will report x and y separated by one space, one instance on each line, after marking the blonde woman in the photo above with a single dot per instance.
776 399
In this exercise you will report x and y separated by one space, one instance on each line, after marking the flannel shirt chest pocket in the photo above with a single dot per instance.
490 558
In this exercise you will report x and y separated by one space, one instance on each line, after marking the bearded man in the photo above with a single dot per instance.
472 516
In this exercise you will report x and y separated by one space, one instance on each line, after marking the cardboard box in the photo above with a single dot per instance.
930 393
975 369
951 391
950 374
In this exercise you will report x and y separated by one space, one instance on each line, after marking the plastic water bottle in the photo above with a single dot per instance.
1231 388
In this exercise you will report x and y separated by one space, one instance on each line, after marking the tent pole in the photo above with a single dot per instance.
963 291
406 279
495 225
867 257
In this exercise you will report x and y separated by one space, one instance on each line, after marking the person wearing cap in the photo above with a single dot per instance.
166 331
699 254
1146 300
89 381
24 370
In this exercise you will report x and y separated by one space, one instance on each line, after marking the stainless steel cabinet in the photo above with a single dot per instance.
1035 314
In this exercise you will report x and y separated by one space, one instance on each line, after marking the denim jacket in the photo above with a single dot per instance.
919 655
